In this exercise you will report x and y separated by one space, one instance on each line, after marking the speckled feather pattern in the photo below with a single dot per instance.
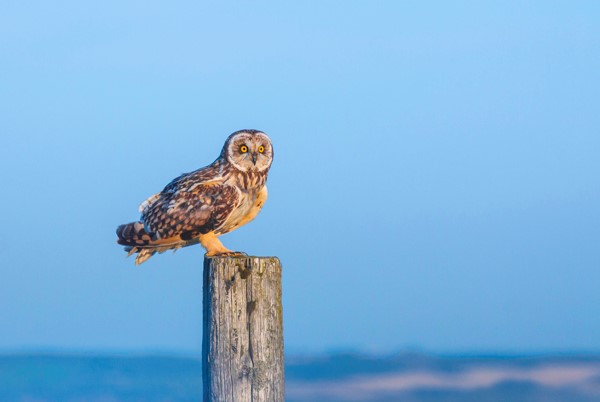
215 199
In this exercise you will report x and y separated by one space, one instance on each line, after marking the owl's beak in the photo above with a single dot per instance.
254 158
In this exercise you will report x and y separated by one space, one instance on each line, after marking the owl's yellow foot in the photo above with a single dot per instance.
215 248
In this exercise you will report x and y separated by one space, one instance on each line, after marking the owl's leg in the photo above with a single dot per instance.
214 247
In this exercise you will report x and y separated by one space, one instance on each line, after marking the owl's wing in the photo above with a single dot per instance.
188 207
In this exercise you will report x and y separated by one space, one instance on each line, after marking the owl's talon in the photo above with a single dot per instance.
228 254
235 254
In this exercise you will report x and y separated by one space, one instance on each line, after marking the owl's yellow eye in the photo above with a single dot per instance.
243 149
261 149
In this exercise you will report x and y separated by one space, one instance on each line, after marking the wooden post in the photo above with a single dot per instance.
242 345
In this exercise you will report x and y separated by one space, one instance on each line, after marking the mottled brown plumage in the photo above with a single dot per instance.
197 207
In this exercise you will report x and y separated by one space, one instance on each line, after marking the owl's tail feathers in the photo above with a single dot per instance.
133 234
136 240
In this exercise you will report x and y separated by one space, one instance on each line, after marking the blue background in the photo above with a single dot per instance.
435 186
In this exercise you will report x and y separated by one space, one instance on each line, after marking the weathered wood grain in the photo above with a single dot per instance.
242 348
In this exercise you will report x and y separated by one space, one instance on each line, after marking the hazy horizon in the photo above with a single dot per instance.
332 378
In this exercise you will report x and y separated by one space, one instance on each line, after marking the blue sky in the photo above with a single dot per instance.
436 182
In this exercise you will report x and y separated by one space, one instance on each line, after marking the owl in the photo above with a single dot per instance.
200 206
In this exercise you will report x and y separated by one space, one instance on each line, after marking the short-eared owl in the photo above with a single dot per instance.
198 207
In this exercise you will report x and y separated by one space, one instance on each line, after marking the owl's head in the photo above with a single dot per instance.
248 150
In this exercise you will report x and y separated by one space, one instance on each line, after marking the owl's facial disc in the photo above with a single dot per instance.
249 151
